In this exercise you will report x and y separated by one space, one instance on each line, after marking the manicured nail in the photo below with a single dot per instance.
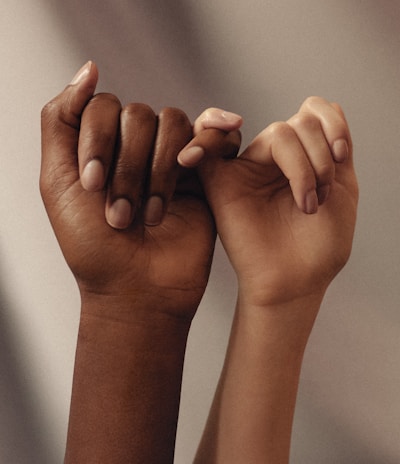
323 193
82 73
311 202
92 178
231 118
154 211
191 156
340 150
119 214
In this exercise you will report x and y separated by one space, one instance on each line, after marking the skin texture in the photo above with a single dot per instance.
285 211
137 232
141 268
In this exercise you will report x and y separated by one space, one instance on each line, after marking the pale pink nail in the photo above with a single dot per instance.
82 73
340 150
92 178
119 214
232 118
191 156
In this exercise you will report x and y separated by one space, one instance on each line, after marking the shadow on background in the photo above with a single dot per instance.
22 437
319 437
150 51
146 51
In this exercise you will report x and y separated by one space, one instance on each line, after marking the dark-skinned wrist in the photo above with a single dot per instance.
127 382
144 306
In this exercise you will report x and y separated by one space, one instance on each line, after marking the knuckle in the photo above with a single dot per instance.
305 121
140 111
50 111
105 98
278 130
312 101
175 116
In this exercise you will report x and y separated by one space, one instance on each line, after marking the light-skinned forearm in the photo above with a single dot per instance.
252 414
126 387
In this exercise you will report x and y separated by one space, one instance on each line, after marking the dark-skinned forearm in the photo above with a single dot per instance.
126 388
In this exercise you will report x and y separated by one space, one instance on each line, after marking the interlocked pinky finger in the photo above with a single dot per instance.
210 143
216 134
216 118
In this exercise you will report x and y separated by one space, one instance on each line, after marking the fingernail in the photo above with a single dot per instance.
323 193
311 202
92 178
340 150
154 211
230 117
119 214
82 73
191 156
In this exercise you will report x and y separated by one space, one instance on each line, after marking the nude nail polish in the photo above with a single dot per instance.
191 156
119 214
92 178
340 150
232 118
82 73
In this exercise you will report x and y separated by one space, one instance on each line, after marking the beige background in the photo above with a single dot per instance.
260 58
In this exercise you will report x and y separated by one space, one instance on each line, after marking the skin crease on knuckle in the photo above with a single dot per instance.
110 98
277 131
140 112
128 172
305 121
311 102
175 115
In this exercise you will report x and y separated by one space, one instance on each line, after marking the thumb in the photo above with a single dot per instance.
60 121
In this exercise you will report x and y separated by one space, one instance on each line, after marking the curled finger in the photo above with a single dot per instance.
217 118
210 143
97 140
278 145
138 126
310 133
334 126
173 133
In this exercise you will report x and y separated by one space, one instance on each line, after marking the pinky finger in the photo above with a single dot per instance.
215 118
210 143
216 133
